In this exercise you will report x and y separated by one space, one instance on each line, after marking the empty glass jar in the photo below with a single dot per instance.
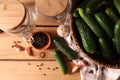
17 19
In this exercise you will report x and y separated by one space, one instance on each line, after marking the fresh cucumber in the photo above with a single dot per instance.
117 36
92 6
83 4
60 44
107 51
61 61
105 23
75 13
114 45
112 14
88 38
92 23
117 5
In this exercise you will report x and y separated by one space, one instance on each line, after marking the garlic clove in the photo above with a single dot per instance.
28 51
18 47
75 68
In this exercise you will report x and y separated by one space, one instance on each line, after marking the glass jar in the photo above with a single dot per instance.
19 23
25 29
55 9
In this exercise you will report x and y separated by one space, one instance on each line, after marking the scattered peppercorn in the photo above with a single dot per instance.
53 68
40 68
44 74
41 64
48 68
56 67
37 65
29 63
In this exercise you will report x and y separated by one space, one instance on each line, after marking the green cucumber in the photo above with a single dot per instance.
61 61
87 36
117 5
112 14
75 13
92 6
105 23
114 46
107 51
117 36
84 3
60 44
92 23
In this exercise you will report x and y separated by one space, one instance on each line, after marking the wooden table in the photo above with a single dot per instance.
19 66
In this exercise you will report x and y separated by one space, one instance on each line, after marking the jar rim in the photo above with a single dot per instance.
57 16
17 29
12 14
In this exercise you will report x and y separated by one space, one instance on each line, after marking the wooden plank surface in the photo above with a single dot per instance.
42 20
33 70
7 40
19 66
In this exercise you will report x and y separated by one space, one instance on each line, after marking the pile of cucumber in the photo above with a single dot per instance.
98 26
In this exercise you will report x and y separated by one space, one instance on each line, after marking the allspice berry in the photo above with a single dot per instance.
42 54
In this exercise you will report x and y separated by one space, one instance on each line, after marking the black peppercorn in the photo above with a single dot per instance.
40 40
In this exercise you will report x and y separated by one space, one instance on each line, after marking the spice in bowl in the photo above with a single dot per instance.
42 40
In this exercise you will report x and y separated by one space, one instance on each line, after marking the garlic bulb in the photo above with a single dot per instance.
63 30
